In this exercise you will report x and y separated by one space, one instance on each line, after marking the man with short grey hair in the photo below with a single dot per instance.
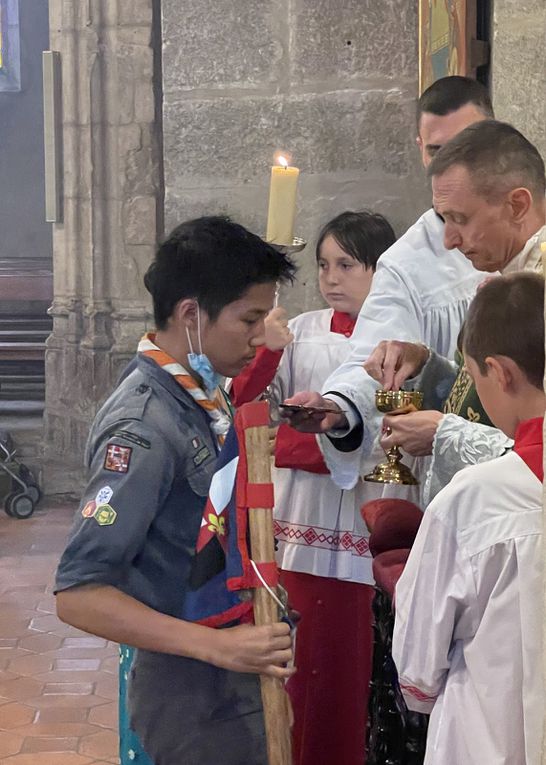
488 186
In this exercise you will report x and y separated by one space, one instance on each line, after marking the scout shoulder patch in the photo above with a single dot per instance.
117 458
105 515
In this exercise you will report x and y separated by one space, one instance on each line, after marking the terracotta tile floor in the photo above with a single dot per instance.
58 686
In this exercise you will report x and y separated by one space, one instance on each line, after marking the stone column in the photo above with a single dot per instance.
111 202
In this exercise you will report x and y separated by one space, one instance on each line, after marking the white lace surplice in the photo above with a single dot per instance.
420 293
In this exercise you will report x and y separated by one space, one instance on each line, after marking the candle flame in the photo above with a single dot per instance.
282 158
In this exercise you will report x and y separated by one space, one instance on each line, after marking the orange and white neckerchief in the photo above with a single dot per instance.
219 420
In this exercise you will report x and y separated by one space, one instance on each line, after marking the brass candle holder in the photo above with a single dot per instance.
393 470
298 244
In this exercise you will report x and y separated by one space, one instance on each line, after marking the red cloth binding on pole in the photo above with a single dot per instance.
259 495
269 572
254 415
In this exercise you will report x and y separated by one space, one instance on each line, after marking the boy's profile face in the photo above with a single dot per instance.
231 340
495 400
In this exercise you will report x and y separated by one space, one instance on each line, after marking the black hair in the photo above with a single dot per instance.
497 157
448 94
363 235
506 318
213 260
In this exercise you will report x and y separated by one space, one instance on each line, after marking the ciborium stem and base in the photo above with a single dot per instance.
393 470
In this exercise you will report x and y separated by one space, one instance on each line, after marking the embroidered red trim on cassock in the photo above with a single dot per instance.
316 536
528 445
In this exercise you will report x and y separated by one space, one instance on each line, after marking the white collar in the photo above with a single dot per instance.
530 257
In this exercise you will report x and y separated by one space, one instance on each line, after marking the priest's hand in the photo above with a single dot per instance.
392 362
277 334
309 421
263 650
413 432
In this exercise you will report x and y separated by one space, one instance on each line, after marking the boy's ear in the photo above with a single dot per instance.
504 372
185 312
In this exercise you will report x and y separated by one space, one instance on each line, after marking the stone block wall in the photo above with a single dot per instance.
332 82
518 68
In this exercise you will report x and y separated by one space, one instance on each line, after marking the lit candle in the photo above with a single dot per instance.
282 203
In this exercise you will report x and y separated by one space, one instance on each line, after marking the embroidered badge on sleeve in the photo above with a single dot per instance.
89 510
104 495
105 515
117 458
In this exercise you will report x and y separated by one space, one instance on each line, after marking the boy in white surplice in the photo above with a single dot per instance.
467 637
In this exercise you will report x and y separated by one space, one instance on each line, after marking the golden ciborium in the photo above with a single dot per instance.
393 469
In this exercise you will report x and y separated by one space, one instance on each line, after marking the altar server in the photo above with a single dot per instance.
323 549
467 636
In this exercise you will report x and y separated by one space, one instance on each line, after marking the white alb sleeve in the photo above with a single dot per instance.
457 444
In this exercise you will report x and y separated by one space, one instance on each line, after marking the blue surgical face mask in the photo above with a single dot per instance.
200 362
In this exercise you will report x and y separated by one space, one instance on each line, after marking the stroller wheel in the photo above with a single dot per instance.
7 502
33 491
32 488
21 505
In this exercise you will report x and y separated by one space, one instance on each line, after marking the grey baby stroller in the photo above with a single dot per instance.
24 493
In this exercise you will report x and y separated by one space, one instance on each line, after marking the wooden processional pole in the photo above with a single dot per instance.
274 697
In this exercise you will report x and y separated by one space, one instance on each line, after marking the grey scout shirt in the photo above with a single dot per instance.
151 456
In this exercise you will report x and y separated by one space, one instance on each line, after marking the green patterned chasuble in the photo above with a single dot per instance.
463 399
